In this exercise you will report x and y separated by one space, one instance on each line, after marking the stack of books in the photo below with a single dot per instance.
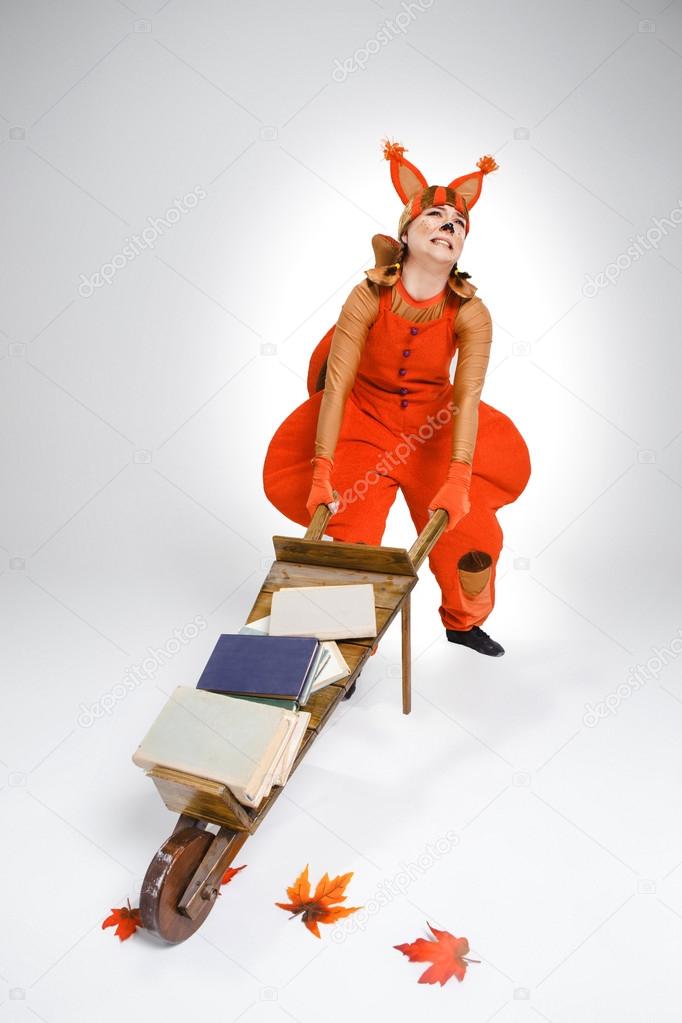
243 724
249 747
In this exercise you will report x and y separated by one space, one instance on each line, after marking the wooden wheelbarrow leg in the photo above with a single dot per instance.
406 656
418 553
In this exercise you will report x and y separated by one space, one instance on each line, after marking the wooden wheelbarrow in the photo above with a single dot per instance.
183 879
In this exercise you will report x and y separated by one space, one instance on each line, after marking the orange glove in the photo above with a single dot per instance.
321 491
453 496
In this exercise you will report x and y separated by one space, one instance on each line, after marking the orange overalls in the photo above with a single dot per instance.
397 432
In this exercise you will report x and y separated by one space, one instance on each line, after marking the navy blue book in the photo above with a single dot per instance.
279 667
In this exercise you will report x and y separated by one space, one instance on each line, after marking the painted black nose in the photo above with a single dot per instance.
450 227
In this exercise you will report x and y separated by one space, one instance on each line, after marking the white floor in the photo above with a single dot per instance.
499 810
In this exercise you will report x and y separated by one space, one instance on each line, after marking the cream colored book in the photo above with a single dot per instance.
327 612
286 761
245 745
334 670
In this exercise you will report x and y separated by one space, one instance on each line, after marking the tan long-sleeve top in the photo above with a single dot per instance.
472 332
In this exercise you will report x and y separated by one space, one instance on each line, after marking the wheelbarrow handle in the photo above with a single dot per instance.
318 522
419 549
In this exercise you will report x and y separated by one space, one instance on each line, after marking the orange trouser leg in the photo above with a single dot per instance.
464 559
366 495
467 581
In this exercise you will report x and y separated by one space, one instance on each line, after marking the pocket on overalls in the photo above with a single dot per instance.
474 571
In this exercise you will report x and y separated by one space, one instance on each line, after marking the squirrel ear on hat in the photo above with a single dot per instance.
469 185
406 178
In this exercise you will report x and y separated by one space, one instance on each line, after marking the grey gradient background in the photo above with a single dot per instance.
135 422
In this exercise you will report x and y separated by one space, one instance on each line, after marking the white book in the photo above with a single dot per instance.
286 762
259 627
326 612
247 746
335 669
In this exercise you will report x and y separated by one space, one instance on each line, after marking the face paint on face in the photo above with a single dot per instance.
437 234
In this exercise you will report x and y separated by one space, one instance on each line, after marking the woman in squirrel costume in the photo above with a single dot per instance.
383 413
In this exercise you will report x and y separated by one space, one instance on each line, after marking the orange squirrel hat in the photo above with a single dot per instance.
411 186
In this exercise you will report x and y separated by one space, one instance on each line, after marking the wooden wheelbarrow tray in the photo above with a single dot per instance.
183 879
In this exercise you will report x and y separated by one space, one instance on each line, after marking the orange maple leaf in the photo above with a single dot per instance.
447 953
318 908
125 920
229 874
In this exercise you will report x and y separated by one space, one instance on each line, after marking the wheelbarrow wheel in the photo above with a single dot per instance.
165 882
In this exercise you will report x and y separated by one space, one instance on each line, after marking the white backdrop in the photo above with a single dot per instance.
188 195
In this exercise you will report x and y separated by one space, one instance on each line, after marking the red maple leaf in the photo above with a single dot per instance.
125 920
447 953
318 908
229 874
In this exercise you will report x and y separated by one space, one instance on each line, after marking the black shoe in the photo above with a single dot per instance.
349 692
476 639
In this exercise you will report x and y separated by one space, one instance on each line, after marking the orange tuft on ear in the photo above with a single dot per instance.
487 164
393 150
